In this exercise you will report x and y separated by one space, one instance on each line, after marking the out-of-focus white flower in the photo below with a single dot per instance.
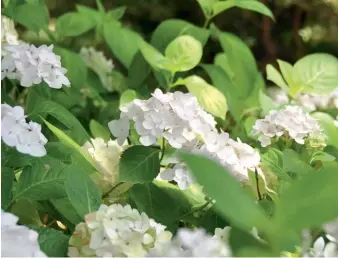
106 156
192 243
16 132
331 229
336 122
177 117
180 174
33 65
117 231
102 66
8 33
13 235
291 121
307 101
322 249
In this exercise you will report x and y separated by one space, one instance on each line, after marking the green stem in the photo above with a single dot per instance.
163 149
209 201
257 186
206 22
111 190
49 34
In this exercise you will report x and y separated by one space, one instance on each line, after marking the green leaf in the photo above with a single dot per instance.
27 212
74 24
155 202
255 6
127 97
273 160
66 209
138 71
207 7
231 200
209 97
152 55
185 52
326 122
52 242
33 16
116 13
7 179
124 43
89 12
317 73
84 195
287 72
139 164
322 156
12 158
98 130
42 180
221 6
59 151
76 68
308 202
266 103
293 163
274 76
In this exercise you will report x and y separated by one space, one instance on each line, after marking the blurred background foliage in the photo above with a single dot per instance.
301 27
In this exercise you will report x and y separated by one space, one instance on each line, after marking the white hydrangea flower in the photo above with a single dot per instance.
307 101
32 65
175 116
8 33
102 66
106 156
13 235
192 243
291 121
116 231
16 132
322 249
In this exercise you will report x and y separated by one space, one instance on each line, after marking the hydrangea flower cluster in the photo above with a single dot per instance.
235 156
195 243
291 121
16 132
102 66
309 102
13 235
177 117
8 33
32 65
106 156
116 231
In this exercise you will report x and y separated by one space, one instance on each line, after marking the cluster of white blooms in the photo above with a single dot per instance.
102 66
106 156
116 231
195 243
291 122
16 240
16 132
322 249
32 65
235 156
309 102
177 117
8 32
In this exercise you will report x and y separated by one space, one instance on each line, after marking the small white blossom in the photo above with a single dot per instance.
16 132
102 66
8 33
116 231
13 235
192 243
106 156
120 129
291 121
33 65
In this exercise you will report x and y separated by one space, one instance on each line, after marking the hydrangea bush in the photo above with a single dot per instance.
155 153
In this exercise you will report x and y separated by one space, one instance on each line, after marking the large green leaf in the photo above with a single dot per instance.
209 97
7 179
42 180
231 200
317 73
33 16
152 55
255 6
89 12
123 42
52 242
27 212
326 122
138 71
156 203
66 209
98 130
139 164
292 162
274 76
309 202
73 24
82 192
